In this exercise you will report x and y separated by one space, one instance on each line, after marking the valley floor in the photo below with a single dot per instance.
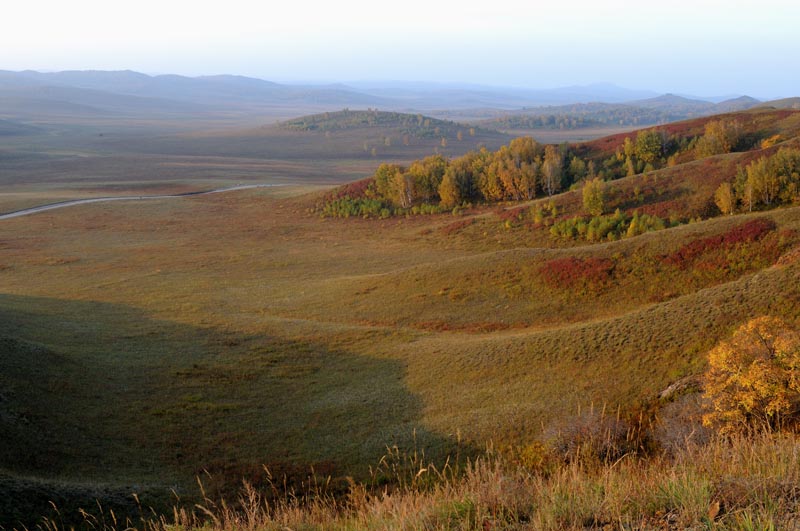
147 343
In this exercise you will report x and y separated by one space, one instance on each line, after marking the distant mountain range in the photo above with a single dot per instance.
34 96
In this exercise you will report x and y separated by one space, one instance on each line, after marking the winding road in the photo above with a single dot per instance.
63 204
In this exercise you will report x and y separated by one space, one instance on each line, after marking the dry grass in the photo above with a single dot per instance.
226 331
741 484
145 343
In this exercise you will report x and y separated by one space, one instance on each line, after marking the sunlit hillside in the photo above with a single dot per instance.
146 344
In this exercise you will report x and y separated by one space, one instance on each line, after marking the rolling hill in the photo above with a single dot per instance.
154 342
218 91
224 96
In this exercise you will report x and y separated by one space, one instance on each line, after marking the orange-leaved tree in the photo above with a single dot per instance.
753 378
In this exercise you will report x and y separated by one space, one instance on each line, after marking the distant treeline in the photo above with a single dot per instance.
415 125
585 118
657 111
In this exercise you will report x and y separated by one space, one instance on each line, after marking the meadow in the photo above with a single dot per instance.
146 344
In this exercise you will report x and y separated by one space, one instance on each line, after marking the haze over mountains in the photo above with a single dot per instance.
33 96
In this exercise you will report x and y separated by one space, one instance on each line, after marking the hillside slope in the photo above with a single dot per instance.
157 341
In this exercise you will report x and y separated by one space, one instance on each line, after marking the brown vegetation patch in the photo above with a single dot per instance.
572 272
790 257
453 228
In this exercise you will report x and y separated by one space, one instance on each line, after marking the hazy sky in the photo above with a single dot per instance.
702 47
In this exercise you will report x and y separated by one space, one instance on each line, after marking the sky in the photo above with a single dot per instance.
699 47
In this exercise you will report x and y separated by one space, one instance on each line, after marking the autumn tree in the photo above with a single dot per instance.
385 178
403 190
449 190
577 168
769 180
628 147
594 192
505 170
649 146
753 379
491 181
394 184
721 136
551 170
630 167
427 175
786 165
525 154
459 181
762 181
725 198
523 149
527 178
744 192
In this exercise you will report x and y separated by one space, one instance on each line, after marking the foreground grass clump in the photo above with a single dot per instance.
739 483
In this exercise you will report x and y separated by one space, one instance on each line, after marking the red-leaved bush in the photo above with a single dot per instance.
354 190
747 232
571 272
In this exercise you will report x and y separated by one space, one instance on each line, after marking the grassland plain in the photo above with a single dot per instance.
146 343
61 161
225 332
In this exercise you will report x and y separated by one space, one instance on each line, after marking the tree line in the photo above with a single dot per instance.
525 169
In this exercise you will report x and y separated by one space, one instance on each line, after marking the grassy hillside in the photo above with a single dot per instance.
412 124
144 344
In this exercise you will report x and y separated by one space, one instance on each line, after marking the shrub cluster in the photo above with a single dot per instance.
612 227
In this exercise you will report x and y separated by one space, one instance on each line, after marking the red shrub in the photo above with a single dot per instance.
663 209
748 232
353 190
512 214
745 233
574 272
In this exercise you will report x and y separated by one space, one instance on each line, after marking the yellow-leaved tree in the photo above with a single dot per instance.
753 379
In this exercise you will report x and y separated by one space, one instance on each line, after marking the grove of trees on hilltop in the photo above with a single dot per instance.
525 170
765 182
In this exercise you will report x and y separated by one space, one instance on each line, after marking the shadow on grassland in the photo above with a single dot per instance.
100 401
